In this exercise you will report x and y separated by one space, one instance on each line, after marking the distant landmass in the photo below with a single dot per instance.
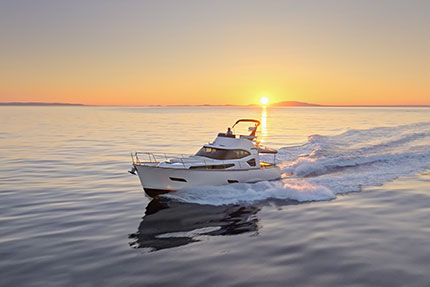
38 104
303 104
294 104
377 106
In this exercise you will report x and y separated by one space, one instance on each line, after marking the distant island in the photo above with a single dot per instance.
38 104
294 104
303 104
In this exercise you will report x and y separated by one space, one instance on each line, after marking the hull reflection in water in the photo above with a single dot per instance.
169 224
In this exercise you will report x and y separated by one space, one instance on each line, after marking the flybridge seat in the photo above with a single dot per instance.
250 137
226 135
253 130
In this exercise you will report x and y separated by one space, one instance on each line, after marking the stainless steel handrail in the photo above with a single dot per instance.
156 158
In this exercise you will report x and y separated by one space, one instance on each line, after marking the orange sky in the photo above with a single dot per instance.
216 52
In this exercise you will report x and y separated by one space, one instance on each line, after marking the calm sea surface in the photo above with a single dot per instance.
352 208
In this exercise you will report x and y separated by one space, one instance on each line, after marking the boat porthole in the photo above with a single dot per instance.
177 179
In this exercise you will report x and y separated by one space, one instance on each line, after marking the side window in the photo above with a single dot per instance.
242 153
222 154
251 162
221 166
237 154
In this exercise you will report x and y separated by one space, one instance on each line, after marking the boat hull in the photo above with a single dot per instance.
156 180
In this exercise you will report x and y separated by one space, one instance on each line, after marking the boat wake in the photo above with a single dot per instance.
329 165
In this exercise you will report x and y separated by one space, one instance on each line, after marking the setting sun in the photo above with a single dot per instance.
264 100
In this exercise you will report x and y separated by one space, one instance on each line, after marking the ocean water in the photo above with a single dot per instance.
352 207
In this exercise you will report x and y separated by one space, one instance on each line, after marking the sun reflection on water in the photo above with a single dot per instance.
263 123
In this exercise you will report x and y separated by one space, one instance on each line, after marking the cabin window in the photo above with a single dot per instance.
251 162
177 179
222 154
218 166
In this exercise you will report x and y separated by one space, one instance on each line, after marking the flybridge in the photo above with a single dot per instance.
257 122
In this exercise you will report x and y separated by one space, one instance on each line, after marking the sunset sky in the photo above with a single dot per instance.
215 52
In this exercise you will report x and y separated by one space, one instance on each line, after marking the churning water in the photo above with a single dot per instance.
329 165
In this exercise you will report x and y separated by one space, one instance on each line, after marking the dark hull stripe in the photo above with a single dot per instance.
155 192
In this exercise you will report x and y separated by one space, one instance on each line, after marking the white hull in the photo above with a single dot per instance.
157 180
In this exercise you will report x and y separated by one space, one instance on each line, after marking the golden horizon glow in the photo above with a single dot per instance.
186 56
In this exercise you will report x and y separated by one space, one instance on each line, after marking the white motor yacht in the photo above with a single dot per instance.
228 159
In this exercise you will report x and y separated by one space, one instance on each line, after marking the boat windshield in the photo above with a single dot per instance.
222 154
